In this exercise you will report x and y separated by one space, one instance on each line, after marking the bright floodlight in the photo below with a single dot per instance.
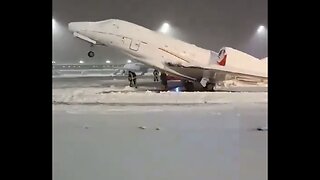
53 62
108 62
164 28
53 23
260 29
129 61
81 62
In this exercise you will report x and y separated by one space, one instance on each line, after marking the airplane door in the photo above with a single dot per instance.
131 44
135 45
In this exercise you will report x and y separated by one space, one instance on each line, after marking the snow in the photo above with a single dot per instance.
234 85
194 142
77 74
129 95
81 75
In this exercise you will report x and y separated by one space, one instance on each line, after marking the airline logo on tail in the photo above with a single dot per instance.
222 61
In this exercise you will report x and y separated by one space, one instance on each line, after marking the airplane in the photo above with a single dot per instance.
173 57
133 67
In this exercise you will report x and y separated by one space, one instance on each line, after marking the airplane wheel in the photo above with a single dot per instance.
90 53
164 80
189 86
210 87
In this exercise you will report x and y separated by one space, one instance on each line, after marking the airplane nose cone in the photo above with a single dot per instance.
74 26
71 27
77 26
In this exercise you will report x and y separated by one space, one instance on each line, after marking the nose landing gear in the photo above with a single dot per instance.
90 53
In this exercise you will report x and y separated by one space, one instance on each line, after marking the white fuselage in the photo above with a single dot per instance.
144 45
157 50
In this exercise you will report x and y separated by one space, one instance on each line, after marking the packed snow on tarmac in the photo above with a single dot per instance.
129 95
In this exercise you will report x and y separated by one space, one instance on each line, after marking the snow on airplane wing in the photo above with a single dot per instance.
197 72
216 68
176 73
227 61
233 61
165 67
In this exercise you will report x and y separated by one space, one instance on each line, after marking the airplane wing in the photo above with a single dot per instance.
196 73
228 61
176 72
167 68
213 68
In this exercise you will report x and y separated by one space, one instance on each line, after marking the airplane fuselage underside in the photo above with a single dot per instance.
219 76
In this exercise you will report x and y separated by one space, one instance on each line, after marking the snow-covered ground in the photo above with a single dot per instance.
185 135
208 141
144 82
129 95
102 82
74 75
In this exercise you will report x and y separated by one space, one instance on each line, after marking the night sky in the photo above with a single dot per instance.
210 24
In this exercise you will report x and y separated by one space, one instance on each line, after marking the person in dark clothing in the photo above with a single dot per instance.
132 77
164 81
155 75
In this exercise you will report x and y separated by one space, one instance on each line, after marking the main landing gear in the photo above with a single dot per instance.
164 81
91 53
193 86
188 85
209 87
